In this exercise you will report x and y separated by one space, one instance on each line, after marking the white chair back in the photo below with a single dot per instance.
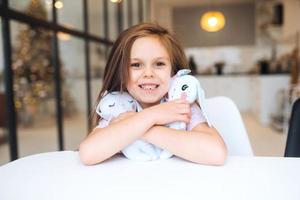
225 117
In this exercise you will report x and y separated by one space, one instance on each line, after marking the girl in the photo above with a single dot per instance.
141 62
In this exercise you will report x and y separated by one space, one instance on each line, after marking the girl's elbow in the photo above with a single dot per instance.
220 155
217 157
85 155
88 156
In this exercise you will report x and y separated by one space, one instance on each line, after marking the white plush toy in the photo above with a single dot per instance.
111 106
183 84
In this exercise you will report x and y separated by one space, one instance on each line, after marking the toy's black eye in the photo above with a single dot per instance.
184 87
111 105
130 101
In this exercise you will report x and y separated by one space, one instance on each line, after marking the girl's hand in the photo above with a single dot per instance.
168 112
122 116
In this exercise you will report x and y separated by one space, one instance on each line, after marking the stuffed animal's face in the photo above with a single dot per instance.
183 85
186 85
114 103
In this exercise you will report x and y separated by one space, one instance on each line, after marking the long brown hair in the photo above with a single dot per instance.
116 73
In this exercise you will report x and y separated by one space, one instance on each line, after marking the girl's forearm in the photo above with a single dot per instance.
204 148
103 143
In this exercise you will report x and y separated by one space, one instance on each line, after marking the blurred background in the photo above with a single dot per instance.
53 53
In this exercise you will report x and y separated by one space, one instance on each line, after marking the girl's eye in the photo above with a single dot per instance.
135 65
160 63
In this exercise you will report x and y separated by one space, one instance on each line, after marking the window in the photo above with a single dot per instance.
69 40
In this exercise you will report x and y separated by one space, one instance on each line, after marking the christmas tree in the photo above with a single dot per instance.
34 72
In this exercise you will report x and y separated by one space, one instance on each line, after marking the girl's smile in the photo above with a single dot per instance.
149 86
149 71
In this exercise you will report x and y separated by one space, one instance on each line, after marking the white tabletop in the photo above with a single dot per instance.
60 175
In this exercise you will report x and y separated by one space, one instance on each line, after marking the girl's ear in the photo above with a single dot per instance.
104 94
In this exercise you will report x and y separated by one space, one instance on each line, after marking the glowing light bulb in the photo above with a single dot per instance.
58 4
212 21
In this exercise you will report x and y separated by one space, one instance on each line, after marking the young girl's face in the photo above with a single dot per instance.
149 71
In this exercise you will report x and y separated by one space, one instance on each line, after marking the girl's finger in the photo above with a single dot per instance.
183 109
183 118
179 101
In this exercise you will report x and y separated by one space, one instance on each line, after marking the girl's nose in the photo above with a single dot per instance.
148 71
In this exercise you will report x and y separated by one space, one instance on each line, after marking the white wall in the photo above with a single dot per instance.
162 14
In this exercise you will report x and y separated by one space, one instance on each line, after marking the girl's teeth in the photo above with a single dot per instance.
148 87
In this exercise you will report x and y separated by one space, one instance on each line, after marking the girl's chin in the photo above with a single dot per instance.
149 102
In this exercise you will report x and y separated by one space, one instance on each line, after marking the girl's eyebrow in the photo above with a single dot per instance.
161 58
158 58
135 59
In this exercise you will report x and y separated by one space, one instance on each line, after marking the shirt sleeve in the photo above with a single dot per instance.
196 117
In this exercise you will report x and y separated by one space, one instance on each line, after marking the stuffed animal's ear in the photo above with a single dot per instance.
98 110
134 105
103 99
201 101
166 97
138 107
183 72
105 93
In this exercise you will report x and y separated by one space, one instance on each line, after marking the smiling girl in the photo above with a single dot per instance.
142 61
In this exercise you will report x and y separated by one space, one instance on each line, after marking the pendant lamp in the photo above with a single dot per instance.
212 21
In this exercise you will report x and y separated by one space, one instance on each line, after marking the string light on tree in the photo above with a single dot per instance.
57 4
33 70
116 1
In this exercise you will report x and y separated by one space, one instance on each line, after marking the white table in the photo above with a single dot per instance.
60 175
